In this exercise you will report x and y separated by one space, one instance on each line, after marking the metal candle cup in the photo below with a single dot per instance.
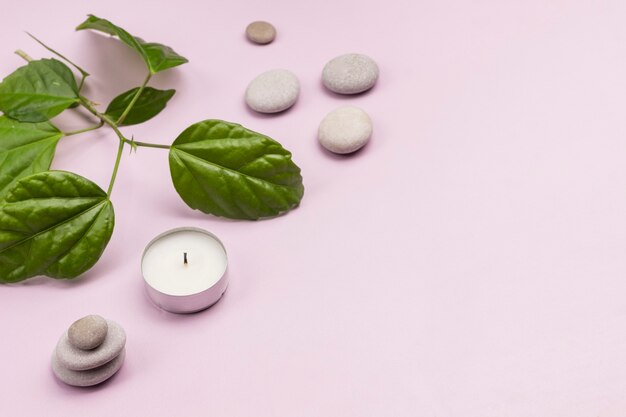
185 270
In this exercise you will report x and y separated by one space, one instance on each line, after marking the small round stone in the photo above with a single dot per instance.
76 359
273 91
261 32
345 130
350 74
90 377
88 333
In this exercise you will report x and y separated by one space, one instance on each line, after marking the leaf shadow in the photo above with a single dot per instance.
182 318
258 115
182 211
341 157
41 280
71 390
344 97
113 78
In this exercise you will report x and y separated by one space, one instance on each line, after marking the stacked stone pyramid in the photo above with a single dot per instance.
90 352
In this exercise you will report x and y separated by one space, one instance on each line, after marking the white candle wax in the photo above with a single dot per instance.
164 269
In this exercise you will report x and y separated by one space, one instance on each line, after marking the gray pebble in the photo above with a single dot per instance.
88 333
350 74
90 377
76 359
345 130
273 91
261 32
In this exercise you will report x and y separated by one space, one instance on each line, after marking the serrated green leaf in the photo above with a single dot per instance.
38 91
25 149
53 223
224 169
150 103
157 57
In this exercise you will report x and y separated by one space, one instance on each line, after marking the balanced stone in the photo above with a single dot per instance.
89 377
88 332
345 130
261 32
76 359
273 91
350 74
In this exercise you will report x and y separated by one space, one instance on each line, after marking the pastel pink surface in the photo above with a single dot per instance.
468 262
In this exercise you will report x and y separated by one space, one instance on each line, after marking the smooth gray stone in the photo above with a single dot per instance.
88 333
345 130
89 377
261 32
273 91
350 74
76 359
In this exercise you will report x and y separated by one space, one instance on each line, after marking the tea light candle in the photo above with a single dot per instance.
185 270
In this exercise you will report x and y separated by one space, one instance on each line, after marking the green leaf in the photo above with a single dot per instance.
53 223
150 103
25 148
38 91
157 57
227 170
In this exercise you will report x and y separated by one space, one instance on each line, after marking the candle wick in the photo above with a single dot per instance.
185 257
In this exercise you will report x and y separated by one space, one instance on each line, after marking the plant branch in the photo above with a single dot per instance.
134 100
82 71
88 105
23 55
117 164
82 82
105 119
87 129
146 144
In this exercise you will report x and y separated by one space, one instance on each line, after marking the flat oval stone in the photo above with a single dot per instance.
261 32
345 130
90 377
88 333
273 91
350 74
76 359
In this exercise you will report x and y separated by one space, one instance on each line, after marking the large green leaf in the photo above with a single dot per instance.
225 169
25 148
38 91
157 57
149 104
53 223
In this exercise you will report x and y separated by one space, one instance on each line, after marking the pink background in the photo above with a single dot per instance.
469 262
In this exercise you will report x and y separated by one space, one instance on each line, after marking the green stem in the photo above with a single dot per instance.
147 144
82 82
24 55
134 100
118 158
105 119
82 71
87 129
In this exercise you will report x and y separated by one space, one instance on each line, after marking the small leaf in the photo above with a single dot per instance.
157 57
150 103
53 223
227 170
25 149
38 91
